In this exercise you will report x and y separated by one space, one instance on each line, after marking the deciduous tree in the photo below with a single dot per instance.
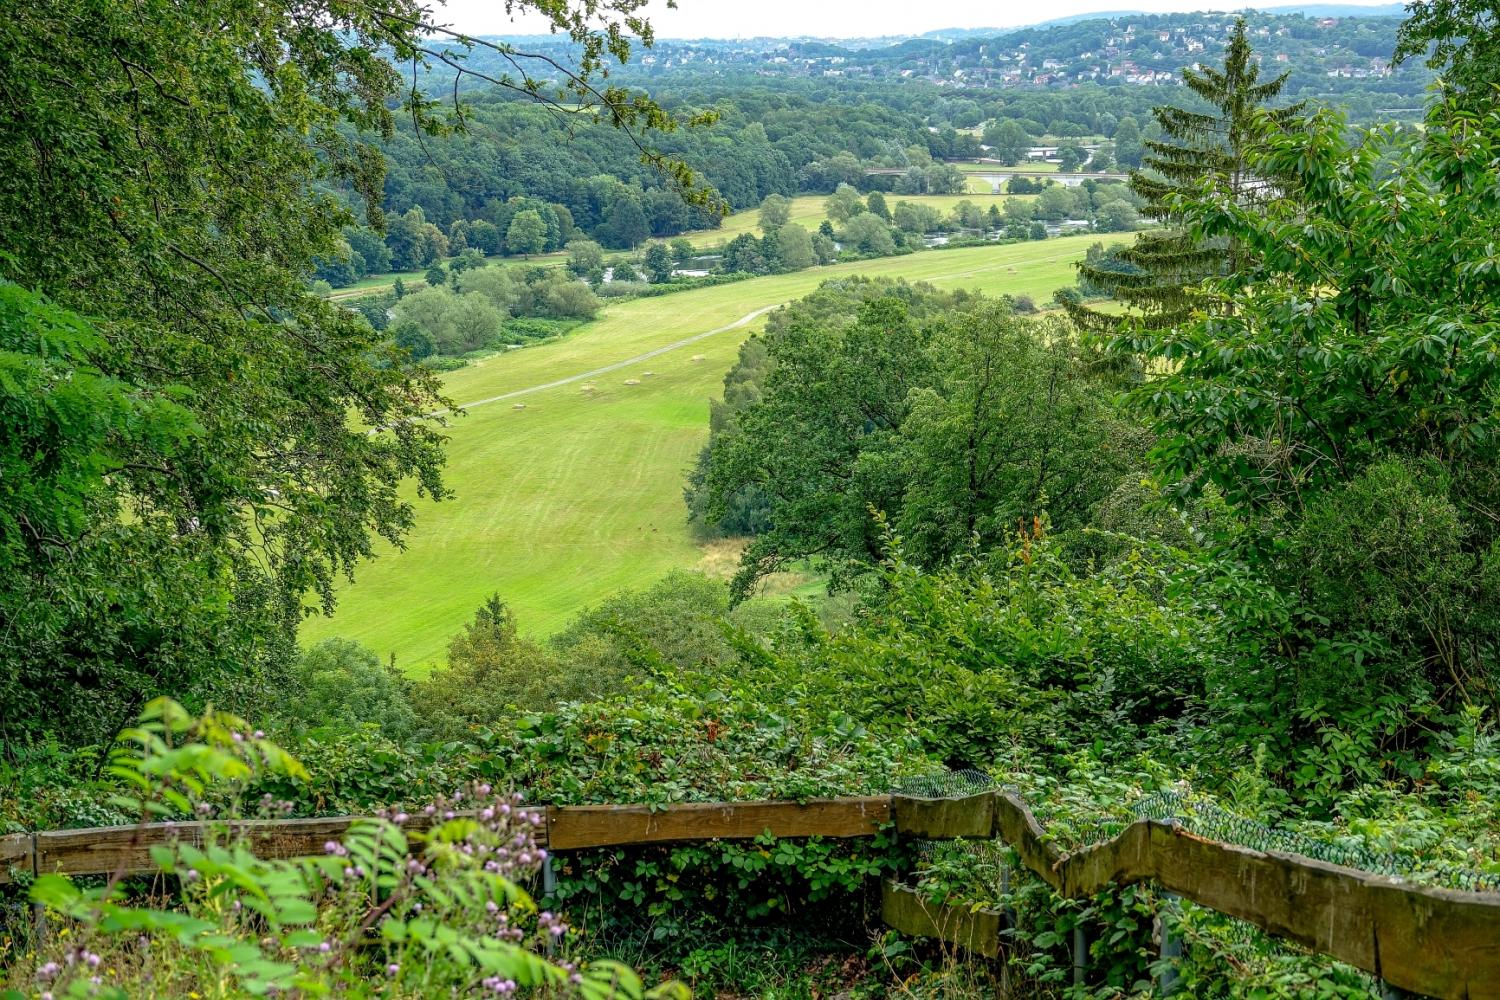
795 247
527 233
658 263
167 168
775 210
1008 141
844 204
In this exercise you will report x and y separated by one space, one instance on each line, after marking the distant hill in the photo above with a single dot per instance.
1306 10
1330 51
1339 10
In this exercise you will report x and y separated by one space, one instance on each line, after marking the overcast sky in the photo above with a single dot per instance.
842 18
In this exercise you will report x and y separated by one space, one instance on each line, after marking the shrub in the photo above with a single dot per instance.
622 289
356 771
443 363
707 739
454 323
494 283
46 786
414 341
343 685
492 669
569 299
679 622
1385 553
528 328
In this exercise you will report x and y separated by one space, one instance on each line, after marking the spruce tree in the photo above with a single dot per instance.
1167 264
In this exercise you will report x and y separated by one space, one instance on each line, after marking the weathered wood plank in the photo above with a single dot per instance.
106 850
109 849
575 827
1437 942
1015 825
972 816
296 838
15 854
909 912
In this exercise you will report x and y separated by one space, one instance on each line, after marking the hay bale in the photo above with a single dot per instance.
587 387
647 374
700 357
632 381
519 406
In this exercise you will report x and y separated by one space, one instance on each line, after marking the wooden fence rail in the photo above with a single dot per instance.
1439 942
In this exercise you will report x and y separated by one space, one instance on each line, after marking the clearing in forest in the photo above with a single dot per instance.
579 494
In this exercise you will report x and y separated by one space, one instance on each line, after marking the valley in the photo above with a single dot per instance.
579 494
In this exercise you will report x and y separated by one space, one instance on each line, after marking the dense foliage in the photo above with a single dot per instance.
224 484
1342 396
959 424
391 909
1235 563
190 418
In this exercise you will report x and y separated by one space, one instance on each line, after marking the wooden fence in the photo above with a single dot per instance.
1439 942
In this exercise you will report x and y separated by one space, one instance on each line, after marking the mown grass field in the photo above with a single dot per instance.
1030 167
579 494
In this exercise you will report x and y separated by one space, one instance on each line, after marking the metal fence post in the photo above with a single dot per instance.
1080 954
1167 978
38 911
1170 944
1008 910
549 886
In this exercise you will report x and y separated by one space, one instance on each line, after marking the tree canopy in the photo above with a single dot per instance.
203 466
952 417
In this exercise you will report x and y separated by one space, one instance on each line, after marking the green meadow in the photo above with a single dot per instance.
1029 168
568 493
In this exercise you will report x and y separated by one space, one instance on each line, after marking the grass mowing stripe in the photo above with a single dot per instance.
677 345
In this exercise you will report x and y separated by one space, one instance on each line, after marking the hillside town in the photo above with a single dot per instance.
1132 49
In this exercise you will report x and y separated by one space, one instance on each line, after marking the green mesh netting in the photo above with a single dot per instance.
1209 820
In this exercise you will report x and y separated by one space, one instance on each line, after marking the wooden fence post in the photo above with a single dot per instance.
908 911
